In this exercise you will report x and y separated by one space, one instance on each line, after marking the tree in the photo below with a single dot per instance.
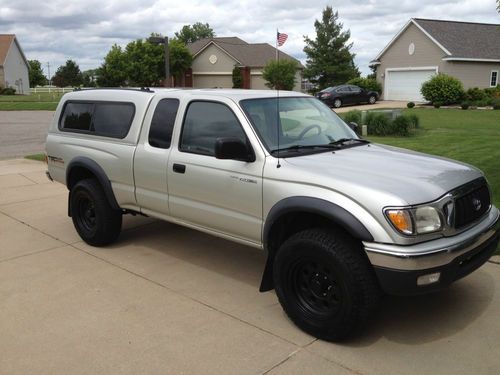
197 31
113 72
89 77
145 63
280 75
68 75
180 58
329 59
237 78
36 75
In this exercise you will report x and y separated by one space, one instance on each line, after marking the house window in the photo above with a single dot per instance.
494 78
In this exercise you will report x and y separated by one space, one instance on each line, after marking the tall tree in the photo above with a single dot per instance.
145 63
37 78
197 31
180 58
280 75
329 59
68 75
113 72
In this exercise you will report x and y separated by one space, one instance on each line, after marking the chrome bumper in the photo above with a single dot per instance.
433 253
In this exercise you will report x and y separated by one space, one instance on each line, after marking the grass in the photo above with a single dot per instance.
43 101
37 157
471 136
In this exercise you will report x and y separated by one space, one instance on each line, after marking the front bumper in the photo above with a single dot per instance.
399 268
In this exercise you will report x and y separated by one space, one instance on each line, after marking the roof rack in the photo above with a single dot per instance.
142 89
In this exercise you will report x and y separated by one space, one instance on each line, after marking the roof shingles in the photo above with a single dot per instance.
5 43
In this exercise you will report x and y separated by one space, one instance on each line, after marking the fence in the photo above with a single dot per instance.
51 89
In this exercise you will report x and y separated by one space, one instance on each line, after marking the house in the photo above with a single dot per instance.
215 58
14 67
423 47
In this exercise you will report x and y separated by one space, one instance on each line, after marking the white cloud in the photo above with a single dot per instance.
57 30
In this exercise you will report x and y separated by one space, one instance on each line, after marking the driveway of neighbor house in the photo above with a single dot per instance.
167 299
368 107
23 132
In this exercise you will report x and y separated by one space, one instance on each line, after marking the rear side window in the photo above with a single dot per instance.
162 124
107 119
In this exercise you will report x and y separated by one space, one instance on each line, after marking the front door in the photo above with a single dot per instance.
224 196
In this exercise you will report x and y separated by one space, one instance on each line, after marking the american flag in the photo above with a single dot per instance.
281 38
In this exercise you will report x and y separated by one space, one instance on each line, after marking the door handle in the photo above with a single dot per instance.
179 168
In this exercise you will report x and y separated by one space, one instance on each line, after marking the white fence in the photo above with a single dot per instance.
51 89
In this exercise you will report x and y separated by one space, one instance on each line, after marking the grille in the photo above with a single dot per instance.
471 206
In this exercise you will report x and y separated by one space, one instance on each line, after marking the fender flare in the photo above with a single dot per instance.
328 210
98 172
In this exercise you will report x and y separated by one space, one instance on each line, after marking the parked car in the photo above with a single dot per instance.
337 96
340 219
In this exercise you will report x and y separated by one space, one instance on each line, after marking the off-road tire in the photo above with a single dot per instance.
97 223
340 292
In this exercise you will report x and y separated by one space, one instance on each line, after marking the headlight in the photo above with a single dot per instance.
411 221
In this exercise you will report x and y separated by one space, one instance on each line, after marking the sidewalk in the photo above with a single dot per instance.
166 299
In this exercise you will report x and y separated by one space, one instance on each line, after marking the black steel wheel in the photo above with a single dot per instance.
94 219
325 283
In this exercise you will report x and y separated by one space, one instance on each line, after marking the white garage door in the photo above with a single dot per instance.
406 84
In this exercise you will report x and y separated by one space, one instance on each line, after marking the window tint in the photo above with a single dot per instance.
99 118
355 89
204 123
162 124
112 119
77 116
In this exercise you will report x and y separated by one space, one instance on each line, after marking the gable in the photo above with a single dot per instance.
205 62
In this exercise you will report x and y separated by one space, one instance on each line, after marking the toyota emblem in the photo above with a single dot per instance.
476 203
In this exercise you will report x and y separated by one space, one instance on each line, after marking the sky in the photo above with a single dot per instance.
57 30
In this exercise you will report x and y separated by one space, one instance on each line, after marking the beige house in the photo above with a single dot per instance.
214 60
468 51
14 68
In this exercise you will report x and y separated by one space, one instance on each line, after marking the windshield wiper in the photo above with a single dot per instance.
342 141
305 147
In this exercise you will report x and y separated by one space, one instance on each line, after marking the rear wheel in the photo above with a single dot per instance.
372 99
337 103
325 283
96 222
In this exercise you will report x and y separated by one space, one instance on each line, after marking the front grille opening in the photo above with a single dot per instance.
471 206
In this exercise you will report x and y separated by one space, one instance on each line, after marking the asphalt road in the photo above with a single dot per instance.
23 132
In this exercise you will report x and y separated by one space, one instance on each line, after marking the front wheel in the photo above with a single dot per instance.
325 284
96 222
372 99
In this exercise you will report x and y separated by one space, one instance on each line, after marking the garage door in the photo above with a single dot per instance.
211 80
406 84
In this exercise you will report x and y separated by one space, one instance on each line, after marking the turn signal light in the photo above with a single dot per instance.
401 220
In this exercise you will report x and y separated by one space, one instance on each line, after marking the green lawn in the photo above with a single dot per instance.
28 106
43 101
471 136
34 97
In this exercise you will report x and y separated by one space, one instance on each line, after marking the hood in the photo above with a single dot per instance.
406 177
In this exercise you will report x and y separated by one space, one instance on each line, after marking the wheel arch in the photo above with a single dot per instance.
82 167
298 213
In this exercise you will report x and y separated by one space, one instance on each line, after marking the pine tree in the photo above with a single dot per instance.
329 59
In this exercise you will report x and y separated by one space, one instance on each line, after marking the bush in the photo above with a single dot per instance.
8 91
401 126
437 104
496 103
378 123
237 78
465 105
414 120
369 84
410 105
443 89
353 116
475 95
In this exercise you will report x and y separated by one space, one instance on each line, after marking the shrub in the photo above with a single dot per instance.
369 84
496 103
237 78
465 105
401 126
378 123
8 91
410 105
414 120
353 116
437 104
475 95
443 89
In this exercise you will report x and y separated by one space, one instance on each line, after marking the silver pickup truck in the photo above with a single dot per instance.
341 220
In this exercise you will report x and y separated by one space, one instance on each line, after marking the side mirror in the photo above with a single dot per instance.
354 126
233 149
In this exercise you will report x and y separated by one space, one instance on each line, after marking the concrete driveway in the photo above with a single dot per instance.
168 300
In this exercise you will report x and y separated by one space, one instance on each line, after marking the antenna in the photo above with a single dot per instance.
278 103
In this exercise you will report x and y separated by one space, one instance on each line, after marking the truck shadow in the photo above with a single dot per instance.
407 320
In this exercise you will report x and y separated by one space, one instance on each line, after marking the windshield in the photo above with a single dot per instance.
303 122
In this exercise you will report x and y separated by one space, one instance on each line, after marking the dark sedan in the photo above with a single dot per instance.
346 94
